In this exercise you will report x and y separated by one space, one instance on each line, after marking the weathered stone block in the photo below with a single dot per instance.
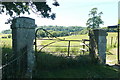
98 43
23 34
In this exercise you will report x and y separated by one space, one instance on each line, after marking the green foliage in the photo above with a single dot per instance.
40 8
84 31
63 28
110 29
8 31
95 19
60 31
41 33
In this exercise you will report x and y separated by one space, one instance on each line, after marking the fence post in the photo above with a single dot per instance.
98 44
69 48
23 34
111 41
83 46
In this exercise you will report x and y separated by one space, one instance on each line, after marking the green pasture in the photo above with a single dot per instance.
78 37
62 46
50 66
7 42
111 43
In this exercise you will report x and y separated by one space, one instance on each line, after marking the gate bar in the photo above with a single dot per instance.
118 44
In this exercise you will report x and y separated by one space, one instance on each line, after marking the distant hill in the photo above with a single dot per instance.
110 29
8 31
60 31
62 28
57 31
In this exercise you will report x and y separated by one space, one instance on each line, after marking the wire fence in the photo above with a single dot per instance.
14 66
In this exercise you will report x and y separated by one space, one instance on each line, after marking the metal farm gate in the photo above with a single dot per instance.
117 41
118 44
60 46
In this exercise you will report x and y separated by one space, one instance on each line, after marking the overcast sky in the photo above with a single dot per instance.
74 13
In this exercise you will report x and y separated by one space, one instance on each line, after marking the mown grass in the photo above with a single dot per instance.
72 43
63 45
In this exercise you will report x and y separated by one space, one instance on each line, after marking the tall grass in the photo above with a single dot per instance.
50 66
6 45
48 61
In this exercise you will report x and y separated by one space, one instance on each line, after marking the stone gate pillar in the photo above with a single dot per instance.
98 44
23 33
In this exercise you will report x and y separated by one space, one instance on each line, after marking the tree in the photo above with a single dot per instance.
41 34
95 19
9 31
39 8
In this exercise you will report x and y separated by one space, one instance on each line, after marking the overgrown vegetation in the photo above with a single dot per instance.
50 66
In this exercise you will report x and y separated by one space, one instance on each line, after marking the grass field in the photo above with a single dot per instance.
49 66
8 41
110 45
110 49
81 67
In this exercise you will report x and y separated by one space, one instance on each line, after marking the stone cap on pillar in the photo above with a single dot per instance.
28 23
98 32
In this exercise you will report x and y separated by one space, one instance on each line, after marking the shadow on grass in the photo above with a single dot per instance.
51 66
